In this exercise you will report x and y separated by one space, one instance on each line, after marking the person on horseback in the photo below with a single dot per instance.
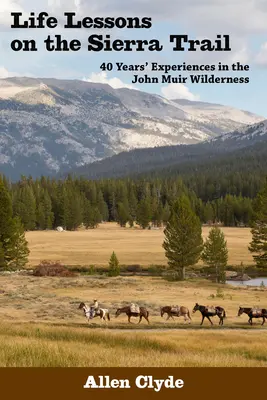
96 306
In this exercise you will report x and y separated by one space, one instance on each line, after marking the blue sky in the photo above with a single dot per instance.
244 20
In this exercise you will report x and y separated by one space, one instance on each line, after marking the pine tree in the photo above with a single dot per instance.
123 214
114 267
17 254
48 214
74 214
13 247
2 256
166 214
25 206
258 246
215 253
6 221
143 213
183 241
92 216
132 206
102 206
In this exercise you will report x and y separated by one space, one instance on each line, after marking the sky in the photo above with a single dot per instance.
245 21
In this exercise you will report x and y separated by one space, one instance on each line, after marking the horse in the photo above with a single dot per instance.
253 313
127 310
91 312
176 312
208 312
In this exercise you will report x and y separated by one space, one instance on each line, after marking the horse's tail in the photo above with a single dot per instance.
224 314
108 316
147 313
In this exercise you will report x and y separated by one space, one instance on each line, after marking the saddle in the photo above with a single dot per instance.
211 310
175 309
134 308
256 312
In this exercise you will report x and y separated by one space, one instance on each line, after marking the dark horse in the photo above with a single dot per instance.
253 313
176 312
208 312
127 310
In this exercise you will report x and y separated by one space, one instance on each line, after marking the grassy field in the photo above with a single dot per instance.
42 326
43 346
132 246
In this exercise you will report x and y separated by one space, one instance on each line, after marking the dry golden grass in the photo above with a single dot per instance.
41 346
42 326
132 246
55 300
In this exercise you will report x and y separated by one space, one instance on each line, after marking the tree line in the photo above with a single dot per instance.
39 204
47 203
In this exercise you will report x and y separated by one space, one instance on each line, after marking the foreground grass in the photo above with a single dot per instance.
46 346
41 325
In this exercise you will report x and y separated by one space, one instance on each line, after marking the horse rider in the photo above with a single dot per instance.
96 306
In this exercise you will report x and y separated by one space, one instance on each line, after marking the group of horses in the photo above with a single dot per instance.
208 312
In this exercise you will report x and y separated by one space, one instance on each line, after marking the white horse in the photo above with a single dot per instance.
91 312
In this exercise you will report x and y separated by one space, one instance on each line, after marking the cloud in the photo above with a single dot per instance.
261 58
203 16
242 56
6 7
4 73
178 91
102 77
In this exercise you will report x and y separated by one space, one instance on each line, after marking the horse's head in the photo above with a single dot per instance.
196 308
240 311
81 306
118 312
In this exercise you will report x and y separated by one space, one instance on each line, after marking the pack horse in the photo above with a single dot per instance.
176 312
133 311
208 312
253 313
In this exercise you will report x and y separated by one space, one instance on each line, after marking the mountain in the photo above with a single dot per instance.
248 144
244 137
49 125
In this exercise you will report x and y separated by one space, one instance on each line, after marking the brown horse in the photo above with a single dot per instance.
208 312
253 313
127 310
176 312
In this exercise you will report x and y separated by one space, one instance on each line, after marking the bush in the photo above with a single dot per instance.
52 268
156 270
134 268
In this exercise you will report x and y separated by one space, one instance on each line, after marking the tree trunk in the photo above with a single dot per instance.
183 273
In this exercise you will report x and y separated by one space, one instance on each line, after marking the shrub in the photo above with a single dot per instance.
156 270
52 268
134 268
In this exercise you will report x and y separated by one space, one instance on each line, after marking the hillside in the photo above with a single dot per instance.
247 147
